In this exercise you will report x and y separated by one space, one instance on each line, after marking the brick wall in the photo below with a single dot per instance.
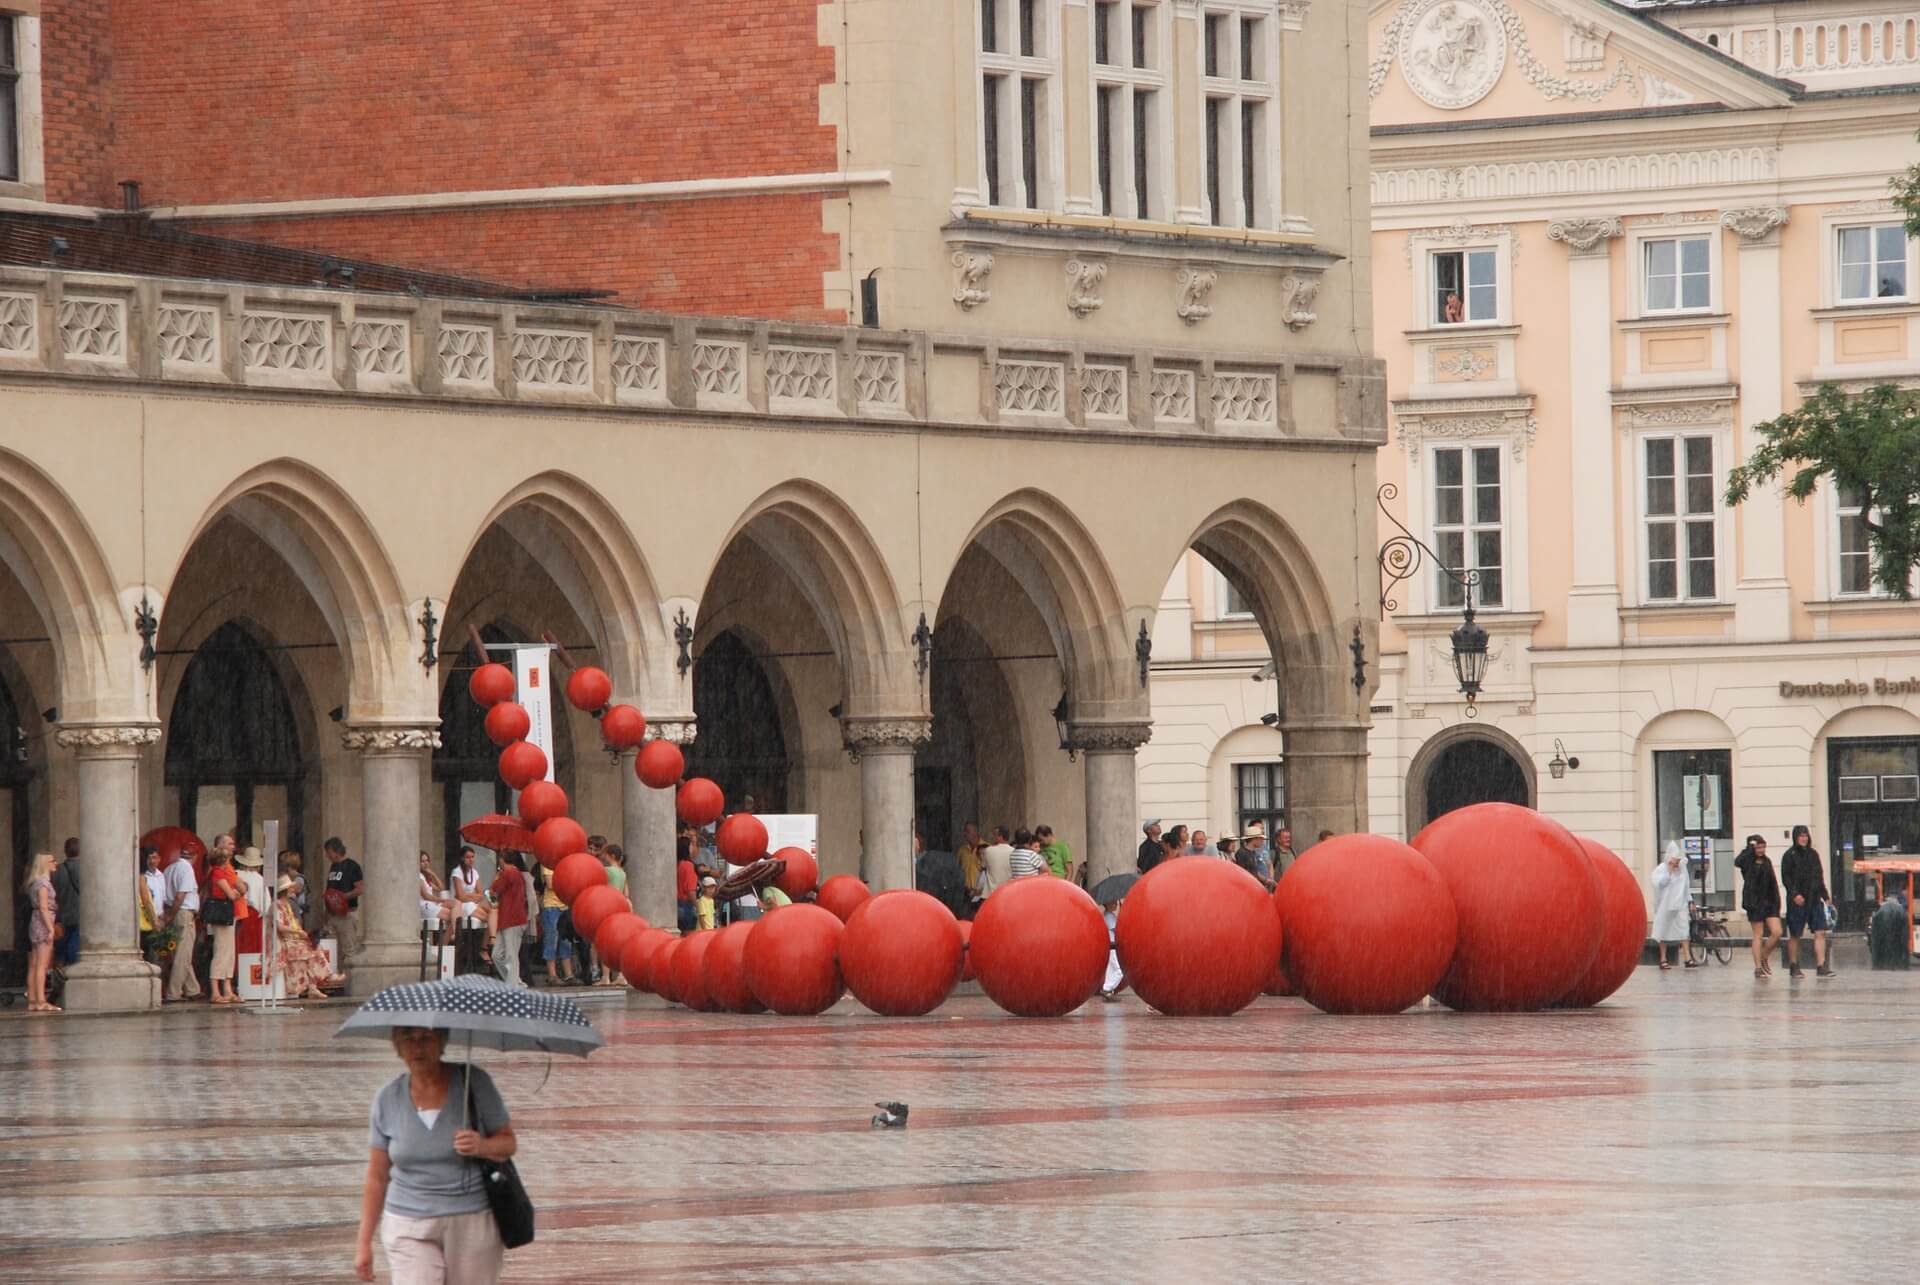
75 54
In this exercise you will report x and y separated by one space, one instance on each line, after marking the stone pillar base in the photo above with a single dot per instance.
111 985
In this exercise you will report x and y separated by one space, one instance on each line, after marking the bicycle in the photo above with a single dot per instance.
1707 935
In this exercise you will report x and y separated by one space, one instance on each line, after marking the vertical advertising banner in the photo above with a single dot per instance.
533 676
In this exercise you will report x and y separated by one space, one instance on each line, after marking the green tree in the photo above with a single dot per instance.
1869 442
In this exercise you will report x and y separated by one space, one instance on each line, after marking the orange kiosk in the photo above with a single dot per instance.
1880 868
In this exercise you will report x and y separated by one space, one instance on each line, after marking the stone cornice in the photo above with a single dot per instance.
390 738
1114 737
100 736
1586 236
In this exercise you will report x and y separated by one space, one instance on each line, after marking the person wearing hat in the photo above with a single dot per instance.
1227 845
1152 851
300 963
1253 856
703 906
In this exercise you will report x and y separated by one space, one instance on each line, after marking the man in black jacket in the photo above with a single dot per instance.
66 892
1152 851
1805 886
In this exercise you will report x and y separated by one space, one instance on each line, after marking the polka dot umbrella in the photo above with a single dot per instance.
485 1012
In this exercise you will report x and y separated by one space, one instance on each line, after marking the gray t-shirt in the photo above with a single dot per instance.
429 1178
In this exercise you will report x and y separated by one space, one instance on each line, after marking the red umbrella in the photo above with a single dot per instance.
743 880
499 832
175 842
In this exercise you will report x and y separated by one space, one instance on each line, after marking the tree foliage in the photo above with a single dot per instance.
1868 441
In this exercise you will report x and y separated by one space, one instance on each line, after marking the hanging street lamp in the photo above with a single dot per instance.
1400 557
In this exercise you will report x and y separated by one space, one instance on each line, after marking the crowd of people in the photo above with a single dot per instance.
1790 903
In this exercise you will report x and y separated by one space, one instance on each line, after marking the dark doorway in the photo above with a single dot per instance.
233 728
738 744
16 834
1474 771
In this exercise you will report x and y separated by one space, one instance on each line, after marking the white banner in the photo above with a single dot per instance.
533 677
792 830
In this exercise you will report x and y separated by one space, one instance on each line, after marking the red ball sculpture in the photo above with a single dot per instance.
967 973
901 953
636 957
557 838
576 873
700 802
1280 984
660 969
801 874
1039 947
508 722
613 934
1623 930
792 960
595 906
1197 936
521 764
843 894
623 727
659 765
540 802
1366 925
742 838
1528 902
690 972
725 970
589 688
490 684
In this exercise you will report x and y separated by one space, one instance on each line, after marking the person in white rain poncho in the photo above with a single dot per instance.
1670 905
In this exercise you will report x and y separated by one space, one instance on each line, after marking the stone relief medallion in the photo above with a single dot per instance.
1452 51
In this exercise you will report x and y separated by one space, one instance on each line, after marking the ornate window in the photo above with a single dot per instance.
1019 83
1469 523
1465 286
1130 40
1237 56
1679 484
1677 274
1872 262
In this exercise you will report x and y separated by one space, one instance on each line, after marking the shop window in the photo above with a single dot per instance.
1873 263
1469 524
1678 274
1260 794
1465 287
1693 797
1680 521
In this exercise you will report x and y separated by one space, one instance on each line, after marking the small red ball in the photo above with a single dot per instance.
521 764
1197 937
614 933
660 969
1528 902
589 688
690 972
1040 947
843 894
901 954
540 802
595 906
1366 925
508 722
575 873
742 838
556 838
967 972
623 727
725 969
800 876
1623 932
659 765
490 684
636 958
792 960
700 802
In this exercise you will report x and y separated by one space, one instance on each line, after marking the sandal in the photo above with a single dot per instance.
1665 967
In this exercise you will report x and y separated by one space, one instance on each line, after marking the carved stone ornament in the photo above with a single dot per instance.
1108 736
388 739
1461 418
1586 235
1196 294
1298 290
1755 222
867 734
1085 278
1451 51
100 736
674 731
971 264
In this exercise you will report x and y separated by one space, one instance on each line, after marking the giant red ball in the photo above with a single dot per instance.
725 969
659 765
557 838
801 874
613 934
508 722
660 969
589 688
843 894
540 802
690 974
901 953
1197 937
700 802
1366 925
1039 947
575 873
636 958
623 727
595 905
1528 902
490 684
792 960
1623 931
742 838
967 972
521 764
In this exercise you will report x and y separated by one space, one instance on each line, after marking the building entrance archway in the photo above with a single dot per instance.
1472 765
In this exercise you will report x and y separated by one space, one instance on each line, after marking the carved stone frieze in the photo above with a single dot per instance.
868 734
674 731
1586 235
1459 418
386 740
1108 736
971 265
1754 222
99 736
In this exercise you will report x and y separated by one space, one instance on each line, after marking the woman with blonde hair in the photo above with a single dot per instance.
42 907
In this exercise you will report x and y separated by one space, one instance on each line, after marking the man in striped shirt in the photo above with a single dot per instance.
1026 861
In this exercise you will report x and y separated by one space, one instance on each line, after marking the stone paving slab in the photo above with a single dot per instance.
1697 1120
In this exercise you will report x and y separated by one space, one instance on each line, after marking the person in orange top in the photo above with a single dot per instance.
223 884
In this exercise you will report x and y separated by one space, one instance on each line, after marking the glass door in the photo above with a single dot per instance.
1873 793
1693 806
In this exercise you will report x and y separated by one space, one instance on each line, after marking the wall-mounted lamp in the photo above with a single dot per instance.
1559 763
338 713
1061 726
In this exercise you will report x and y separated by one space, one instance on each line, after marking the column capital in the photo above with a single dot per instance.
1757 225
878 735
1110 738
1586 235
107 740
675 729
391 738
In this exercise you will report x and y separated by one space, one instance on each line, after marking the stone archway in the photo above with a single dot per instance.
1467 764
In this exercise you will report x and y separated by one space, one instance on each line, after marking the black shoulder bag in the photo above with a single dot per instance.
506 1195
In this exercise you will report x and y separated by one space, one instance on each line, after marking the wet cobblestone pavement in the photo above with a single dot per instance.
1695 1123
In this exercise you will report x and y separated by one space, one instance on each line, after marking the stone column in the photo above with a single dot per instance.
1113 808
110 973
1762 600
649 824
885 747
393 763
1593 599
1326 765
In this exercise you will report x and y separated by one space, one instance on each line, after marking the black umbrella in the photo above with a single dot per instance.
1114 887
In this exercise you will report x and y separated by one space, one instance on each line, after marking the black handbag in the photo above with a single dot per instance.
506 1194
218 911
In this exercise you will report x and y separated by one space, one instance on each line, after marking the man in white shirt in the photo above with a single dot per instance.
154 883
996 861
182 907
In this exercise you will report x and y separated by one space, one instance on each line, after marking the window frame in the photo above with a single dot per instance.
1680 307
24 81
1715 519
1442 589
1275 819
1015 69
1227 91
1430 295
1117 88
1872 227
